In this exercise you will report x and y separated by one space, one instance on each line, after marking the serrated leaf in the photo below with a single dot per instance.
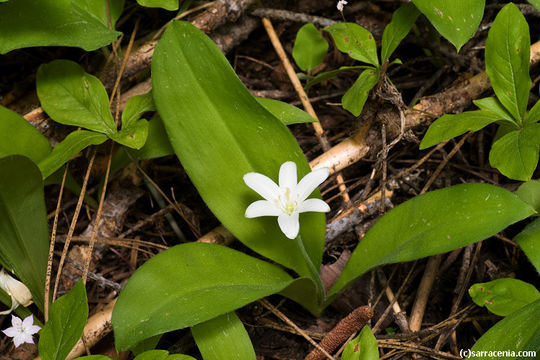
355 98
51 23
418 227
517 332
309 48
187 285
503 296
529 241
23 223
220 132
286 113
74 143
164 4
402 21
494 105
362 347
355 41
223 335
449 126
456 20
70 96
507 60
28 140
67 317
515 154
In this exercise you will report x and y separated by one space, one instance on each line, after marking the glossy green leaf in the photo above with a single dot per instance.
503 296
26 23
494 105
530 193
519 331
223 335
23 223
67 318
136 107
535 3
456 20
507 60
533 115
309 48
355 98
328 75
529 241
70 96
187 285
69 147
449 126
146 345
28 141
402 21
515 154
304 291
288 114
161 355
362 347
133 136
220 132
355 41
434 223
164 4
98 8
157 143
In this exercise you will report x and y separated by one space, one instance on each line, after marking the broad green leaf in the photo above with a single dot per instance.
164 4
28 141
535 3
529 241
157 143
223 335
189 284
515 154
328 75
355 41
133 136
98 8
402 21
355 98
533 115
69 147
503 296
530 193
161 355
456 20
136 107
449 126
67 318
94 357
362 347
309 48
70 96
519 331
305 292
286 113
146 345
220 132
434 223
494 105
26 23
23 223
507 60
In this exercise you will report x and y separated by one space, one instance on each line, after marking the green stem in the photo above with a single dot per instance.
315 274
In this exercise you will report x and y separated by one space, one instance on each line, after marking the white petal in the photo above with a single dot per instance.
262 208
11 332
316 205
263 185
289 224
34 329
28 321
310 182
18 339
287 175
15 321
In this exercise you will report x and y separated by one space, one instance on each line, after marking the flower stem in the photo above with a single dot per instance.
315 274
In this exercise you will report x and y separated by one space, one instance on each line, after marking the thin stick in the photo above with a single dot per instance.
319 131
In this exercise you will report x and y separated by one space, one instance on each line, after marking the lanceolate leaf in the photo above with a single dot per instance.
187 285
529 241
449 126
515 154
220 132
362 347
530 193
456 20
25 23
494 105
286 113
517 332
355 98
23 223
328 75
223 335
355 41
507 60
309 48
533 114
433 223
402 21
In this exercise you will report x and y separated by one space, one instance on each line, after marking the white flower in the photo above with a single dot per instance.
287 200
22 330
17 290
341 4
